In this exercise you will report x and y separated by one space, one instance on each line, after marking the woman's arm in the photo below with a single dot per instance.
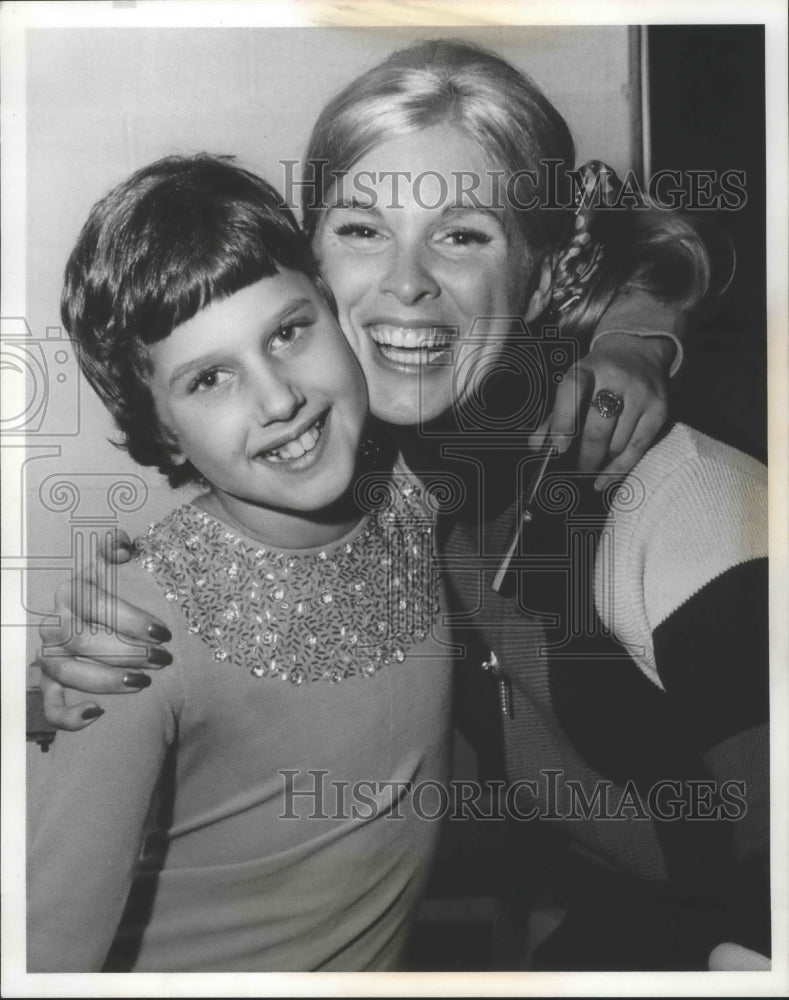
625 284
117 643
686 589
712 657
633 351
87 805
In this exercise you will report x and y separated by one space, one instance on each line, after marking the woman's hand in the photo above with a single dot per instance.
100 643
634 368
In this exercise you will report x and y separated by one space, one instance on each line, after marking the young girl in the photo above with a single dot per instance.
263 785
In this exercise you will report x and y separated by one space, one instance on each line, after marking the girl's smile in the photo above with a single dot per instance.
299 445
262 394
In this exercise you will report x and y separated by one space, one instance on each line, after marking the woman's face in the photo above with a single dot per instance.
426 271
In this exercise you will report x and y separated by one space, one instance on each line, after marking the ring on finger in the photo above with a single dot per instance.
608 403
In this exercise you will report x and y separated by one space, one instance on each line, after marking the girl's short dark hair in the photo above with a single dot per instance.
177 235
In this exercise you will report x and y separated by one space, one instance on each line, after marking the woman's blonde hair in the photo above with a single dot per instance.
507 115
447 82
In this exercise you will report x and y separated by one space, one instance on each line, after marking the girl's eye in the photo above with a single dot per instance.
288 334
209 379
466 237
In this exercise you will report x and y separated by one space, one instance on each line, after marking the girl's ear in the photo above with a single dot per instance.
542 295
176 456
170 442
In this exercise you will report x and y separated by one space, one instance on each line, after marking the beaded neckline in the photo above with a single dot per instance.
342 611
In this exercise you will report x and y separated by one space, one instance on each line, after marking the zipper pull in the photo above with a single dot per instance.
494 667
505 697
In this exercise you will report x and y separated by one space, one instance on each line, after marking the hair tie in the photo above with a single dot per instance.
580 260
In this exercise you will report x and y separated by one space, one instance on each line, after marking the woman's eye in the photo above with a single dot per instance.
466 237
357 230
211 378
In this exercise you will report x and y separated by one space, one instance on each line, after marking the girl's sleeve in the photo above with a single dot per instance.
88 802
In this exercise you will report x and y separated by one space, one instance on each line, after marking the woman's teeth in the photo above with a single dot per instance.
299 446
408 345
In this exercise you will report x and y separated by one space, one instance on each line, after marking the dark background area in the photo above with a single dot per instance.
707 112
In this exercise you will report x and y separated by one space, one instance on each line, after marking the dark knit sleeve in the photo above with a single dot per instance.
712 658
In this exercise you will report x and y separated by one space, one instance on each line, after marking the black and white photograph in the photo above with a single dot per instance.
394 455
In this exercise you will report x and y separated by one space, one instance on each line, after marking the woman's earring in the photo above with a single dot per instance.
542 294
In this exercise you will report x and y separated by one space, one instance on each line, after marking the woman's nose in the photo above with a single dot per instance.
277 398
409 278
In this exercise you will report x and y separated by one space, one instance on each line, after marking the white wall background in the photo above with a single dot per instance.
102 102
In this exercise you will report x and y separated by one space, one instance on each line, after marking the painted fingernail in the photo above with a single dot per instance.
159 657
92 713
138 681
159 633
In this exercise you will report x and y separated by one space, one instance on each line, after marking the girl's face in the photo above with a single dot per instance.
425 268
265 398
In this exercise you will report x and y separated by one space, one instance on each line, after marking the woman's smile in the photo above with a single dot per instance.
409 345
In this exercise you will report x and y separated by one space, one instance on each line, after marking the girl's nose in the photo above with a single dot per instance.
409 278
276 397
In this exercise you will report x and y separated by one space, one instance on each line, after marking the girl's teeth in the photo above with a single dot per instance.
292 449
297 447
309 438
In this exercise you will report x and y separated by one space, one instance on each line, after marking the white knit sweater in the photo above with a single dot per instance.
690 510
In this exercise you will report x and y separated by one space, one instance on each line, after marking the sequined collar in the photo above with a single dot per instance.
328 614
